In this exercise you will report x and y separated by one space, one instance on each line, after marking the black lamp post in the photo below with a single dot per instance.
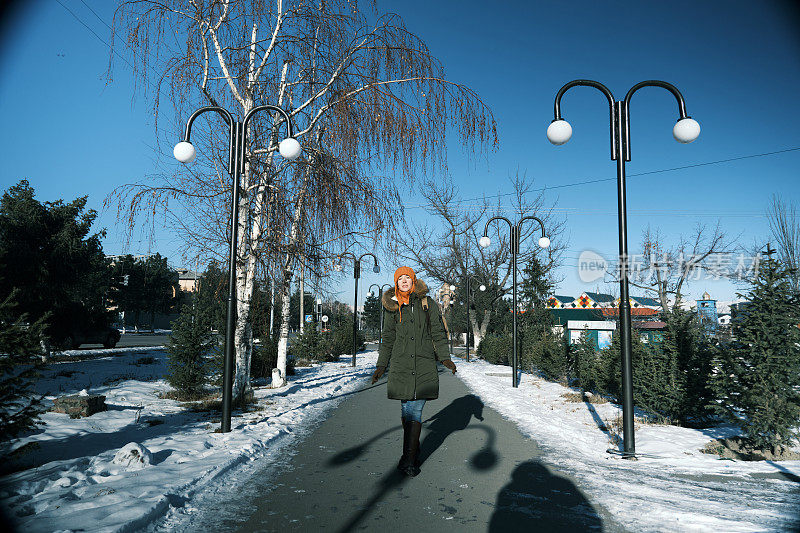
685 131
380 304
356 275
470 279
237 143
544 242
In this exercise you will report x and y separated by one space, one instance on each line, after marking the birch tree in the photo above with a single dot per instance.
352 79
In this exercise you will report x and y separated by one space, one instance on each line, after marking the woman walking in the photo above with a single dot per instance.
412 328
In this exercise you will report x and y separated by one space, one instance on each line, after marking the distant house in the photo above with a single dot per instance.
649 330
188 280
593 300
599 332
707 314
558 302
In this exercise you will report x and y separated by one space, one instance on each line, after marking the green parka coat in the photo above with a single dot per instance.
407 347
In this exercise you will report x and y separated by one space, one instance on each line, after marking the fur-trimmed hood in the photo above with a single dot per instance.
390 302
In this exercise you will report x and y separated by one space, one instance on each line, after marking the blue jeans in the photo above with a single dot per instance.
412 409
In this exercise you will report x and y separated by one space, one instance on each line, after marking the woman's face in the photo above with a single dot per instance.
404 283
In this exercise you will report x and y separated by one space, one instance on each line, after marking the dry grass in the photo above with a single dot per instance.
183 397
737 449
578 397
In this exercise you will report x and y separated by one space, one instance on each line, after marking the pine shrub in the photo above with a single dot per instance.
757 378
265 358
545 353
188 353
496 349
313 346
20 361
342 340
586 361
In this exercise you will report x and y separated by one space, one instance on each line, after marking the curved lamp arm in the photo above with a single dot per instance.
228 119
268 107
537 219
649 83
588 83
486 227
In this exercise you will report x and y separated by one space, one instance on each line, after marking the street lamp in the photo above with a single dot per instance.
482 288
685 131
380 303
237 141
544 242
356 275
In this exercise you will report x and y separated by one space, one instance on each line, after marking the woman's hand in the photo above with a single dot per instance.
378 373
449 364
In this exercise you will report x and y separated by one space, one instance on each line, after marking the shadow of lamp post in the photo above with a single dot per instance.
544 242
184 152
685 131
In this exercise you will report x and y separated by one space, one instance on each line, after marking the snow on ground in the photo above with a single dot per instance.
75 483
674 488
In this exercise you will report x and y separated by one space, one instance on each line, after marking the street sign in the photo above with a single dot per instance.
324 318
309 318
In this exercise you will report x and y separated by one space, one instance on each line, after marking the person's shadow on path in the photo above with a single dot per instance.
455 417
537 500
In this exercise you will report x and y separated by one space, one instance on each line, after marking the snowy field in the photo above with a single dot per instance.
76 484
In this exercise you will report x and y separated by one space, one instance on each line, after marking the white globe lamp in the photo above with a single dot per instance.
184 152
686 130
452 287
482 287
485 242
559 132
544 242
289 148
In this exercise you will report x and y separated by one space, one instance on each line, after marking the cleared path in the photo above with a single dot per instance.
478 474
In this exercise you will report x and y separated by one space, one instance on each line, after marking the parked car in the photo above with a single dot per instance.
105 335
68 330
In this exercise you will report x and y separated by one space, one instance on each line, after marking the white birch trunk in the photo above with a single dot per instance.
279 373
479 332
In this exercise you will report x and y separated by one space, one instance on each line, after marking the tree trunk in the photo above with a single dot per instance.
279 373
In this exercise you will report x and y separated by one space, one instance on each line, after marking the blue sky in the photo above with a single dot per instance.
737 63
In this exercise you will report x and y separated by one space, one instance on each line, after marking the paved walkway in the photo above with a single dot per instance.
478 474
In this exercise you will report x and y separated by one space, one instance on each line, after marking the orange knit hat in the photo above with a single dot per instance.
403 298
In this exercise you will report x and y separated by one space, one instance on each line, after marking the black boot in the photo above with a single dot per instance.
401 465
412 464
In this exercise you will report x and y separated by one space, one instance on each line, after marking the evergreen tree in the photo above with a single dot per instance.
372 314
313 346
757 378
48 252
212 296
342 340
584 356
690 356
19 348
188 352
537 285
